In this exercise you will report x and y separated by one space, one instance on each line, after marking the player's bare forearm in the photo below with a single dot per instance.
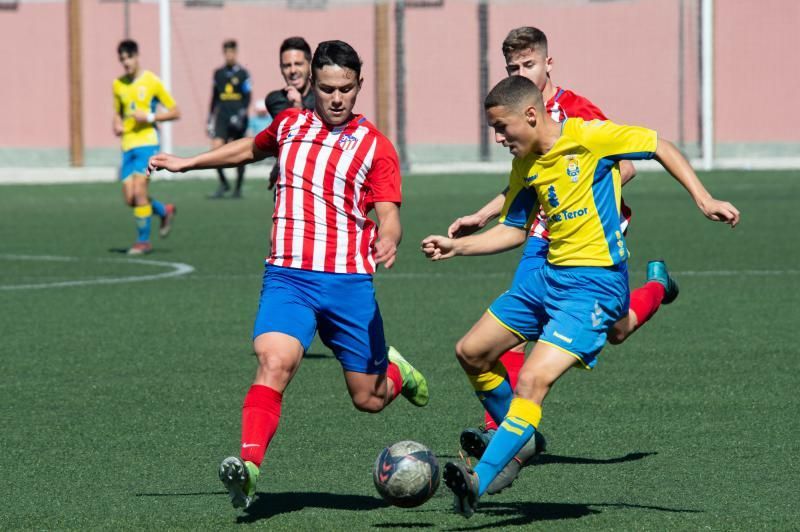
466 225
676 164
390 232
389 227
626 171
168 114
491 210
116 125
236 153
498 239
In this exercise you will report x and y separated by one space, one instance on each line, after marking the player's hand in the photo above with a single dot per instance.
167 161
294 96
720 211
437 247
118 131
466 225
385 252
140 117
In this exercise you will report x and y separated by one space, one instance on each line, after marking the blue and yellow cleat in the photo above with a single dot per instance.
657 271
525 457
415 386
474 441
240 479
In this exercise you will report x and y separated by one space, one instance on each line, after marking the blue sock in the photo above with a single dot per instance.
494 391
142 214
158 208
512 434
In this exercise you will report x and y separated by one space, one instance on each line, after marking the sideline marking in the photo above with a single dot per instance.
177 269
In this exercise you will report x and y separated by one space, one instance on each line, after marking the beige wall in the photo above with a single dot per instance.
621 55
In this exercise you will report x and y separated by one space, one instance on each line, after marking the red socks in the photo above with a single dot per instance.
513 361
393 374
646 300
260 416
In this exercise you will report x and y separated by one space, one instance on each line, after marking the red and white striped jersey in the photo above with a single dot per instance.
330 178
566 104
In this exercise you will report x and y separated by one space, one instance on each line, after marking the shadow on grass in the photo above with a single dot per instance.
558 459
124 251
524 513
269 505
545 459
191 494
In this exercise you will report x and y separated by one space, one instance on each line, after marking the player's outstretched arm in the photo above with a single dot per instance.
676 164
466 225
496 240
390 232
236 153
626 172
165 115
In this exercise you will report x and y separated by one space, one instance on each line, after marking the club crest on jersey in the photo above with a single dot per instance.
347 142
573 169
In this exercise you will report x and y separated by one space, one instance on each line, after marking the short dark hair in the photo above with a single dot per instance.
296 43
336 53
524 38
514 91
129 47
229 44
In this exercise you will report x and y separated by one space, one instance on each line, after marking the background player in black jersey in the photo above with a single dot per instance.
227 116
295 62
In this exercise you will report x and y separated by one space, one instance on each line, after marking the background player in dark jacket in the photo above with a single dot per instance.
295 60
227 116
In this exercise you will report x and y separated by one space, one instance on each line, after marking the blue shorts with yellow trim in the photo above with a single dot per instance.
533 258
134 161
571 308
340 306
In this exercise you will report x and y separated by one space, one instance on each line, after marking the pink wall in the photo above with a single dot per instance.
34 59
622 55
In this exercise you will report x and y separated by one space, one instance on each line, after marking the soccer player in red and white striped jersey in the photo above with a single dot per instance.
526 54
335 167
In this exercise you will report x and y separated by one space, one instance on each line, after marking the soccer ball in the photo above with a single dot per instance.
406 474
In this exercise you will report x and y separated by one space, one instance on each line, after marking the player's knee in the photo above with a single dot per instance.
533 386
274 365
470 354
367 402
616 337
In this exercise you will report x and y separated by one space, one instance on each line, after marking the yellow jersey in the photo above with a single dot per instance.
577 183
141 94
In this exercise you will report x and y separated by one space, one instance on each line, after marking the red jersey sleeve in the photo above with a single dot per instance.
384 175
267 140
580 107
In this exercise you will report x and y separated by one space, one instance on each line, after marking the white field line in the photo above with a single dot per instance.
176 269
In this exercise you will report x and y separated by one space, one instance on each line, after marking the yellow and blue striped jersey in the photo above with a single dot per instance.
577 183
141 94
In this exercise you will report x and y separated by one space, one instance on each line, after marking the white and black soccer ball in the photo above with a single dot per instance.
406 474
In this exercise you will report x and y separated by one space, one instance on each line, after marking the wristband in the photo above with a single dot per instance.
151 117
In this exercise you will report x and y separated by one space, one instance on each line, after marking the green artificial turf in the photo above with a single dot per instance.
119 399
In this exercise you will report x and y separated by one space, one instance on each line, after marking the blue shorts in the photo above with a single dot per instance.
571 308
134 161
533 258
340 306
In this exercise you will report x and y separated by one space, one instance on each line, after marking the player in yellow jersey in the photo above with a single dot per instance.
571 169
137 95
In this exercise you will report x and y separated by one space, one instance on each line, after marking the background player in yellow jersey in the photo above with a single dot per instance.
571 169
137 95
